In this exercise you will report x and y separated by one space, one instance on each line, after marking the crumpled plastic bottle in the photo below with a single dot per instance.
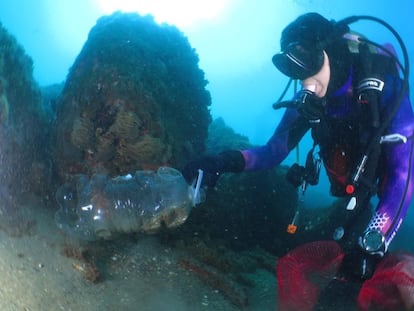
102 207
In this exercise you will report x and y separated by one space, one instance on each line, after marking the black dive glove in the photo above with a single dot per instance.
358 265
310 106
213 166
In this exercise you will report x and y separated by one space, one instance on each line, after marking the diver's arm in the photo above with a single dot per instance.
396 184
287 135
289 132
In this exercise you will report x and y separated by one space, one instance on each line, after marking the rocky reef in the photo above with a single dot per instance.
243 211
222 137
135 98
24 160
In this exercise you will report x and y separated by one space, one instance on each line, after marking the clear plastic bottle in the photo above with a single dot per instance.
102 207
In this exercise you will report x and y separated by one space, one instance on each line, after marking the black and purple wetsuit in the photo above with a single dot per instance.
339 150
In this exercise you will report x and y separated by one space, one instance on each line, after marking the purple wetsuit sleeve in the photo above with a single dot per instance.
396 186
290 130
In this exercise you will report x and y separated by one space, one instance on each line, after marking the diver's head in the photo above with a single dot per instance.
305 43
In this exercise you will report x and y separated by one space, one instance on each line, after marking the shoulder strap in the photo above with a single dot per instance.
371 69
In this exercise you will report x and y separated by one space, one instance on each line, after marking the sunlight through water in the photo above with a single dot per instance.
181 13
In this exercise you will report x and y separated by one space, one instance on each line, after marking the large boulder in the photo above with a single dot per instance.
135 98
24 164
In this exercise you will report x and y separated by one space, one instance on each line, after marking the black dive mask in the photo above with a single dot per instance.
298 62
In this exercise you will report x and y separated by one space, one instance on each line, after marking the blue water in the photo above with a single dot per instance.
235 47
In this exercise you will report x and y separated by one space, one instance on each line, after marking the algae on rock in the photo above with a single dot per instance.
135 98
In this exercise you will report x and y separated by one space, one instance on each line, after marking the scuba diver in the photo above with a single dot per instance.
356 105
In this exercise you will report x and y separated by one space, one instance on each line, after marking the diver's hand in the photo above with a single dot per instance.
358 265
310 106
209 165
213 166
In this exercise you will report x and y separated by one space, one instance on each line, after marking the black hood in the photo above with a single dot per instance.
303 42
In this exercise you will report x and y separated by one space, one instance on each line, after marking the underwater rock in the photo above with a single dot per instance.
102 207
251 209
83 134
23 126
246 210
4 103
50 94
127 124
222 137
134 99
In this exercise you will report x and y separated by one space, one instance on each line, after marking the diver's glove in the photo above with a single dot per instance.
310 106
358 265
213 166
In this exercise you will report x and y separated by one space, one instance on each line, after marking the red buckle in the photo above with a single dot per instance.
349 189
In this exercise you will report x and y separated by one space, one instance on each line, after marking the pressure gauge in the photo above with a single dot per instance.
373 241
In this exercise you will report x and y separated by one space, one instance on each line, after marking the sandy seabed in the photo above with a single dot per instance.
36 275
